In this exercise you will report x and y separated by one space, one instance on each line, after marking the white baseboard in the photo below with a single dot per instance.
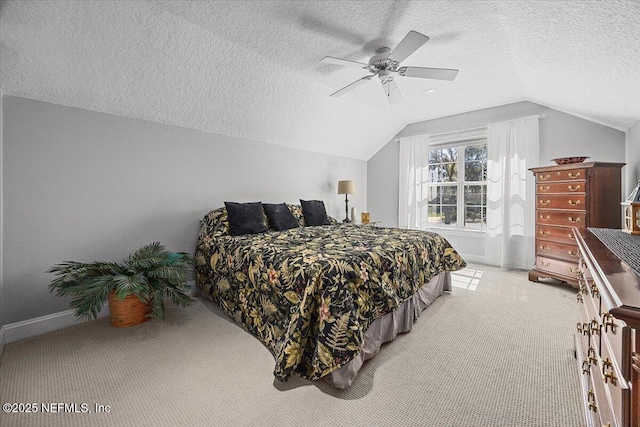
40 325
1 340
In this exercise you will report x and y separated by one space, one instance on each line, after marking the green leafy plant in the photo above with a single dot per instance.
151 273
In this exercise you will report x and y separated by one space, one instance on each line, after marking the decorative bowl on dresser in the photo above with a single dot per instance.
570 195
607 340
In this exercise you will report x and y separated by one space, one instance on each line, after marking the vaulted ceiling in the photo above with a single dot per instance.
251 69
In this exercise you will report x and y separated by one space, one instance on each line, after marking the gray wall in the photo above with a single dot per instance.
632 144
382 191
561 135
80 185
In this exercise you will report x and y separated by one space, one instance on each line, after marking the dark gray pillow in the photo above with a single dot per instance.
280 217
245 218
314 212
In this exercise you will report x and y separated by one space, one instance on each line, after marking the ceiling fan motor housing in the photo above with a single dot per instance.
381 55
381 63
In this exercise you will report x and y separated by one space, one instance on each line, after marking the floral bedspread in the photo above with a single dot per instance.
310 293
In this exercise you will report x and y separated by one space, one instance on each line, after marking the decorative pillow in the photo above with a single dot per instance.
296 210
314 212
245 218
280 217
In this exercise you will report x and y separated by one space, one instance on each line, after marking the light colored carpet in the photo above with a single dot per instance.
501 355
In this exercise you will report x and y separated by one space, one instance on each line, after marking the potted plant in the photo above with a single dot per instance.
136 289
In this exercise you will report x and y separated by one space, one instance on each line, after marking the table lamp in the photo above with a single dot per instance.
346 187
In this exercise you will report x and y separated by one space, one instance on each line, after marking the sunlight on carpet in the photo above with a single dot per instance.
467 278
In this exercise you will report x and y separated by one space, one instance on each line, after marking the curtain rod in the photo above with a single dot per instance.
453 132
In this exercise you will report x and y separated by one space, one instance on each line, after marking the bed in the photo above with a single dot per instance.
324 298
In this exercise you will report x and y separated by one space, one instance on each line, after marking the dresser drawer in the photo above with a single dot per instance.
615 383
592 319
617 336
564 175
583 328
561 201
598 401
565 218
586 383
561 187
561 268
565 251
557 234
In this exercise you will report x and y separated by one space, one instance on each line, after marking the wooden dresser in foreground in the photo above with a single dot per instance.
608 333
577 195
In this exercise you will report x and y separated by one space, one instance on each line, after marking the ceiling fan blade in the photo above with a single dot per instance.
351 86
409 44
392 91
429 73
343 62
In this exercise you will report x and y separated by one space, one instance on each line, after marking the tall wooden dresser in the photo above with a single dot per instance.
608 328
577 195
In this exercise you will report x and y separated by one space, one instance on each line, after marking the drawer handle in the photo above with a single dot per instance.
585 367
544 177
545 233
594 290
608 322
574 220
571 236
583 289
579 299
591 354
545 202
573 270
571 175
545 248
586 331
573 253
572 188
572 203
595 327
547 188
611 375
579 326
545 218
591 398
542 263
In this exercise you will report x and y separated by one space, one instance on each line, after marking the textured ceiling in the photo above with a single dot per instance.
251 68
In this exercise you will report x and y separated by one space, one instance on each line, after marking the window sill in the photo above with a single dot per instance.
458 231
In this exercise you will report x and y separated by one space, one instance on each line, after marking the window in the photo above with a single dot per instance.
457 189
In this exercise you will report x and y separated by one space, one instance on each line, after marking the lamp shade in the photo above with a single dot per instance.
346 187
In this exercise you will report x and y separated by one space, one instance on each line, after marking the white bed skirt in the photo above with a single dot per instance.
389 326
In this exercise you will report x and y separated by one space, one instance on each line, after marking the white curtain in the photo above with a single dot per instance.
413 183
512 148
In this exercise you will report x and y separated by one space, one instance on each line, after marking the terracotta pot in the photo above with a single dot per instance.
128 311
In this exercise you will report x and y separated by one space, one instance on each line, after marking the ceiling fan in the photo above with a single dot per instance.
385 63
